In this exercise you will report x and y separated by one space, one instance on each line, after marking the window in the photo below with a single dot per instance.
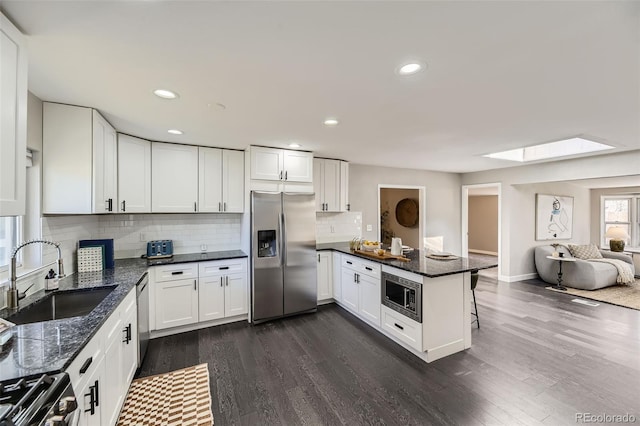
9 236
622 212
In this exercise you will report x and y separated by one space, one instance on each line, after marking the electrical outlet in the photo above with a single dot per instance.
142 237
369 228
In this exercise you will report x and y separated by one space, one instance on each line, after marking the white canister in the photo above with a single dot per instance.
396 246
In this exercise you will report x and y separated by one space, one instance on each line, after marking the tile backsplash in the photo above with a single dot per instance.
130 233
336 227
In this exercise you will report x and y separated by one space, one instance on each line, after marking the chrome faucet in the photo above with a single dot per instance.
12 294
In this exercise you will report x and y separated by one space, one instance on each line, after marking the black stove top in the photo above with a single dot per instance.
27 401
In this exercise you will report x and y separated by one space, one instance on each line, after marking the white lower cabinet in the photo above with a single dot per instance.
223 289
101 373
325 275
176 303
360 286
213 290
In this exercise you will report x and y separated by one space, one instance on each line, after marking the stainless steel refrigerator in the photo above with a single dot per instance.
283 255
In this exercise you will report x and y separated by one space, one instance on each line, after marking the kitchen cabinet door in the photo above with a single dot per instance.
210 180
13 131
331 178
105 165
233 181
298 166
174 172
325 275
337 276
266 163
111 395
67 170
134 175
369 306
235 294
211 297
349 289
176 303
344 187
129 346
89 397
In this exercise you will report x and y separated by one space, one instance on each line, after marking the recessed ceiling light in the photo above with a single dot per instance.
563 148
175 131
331 122
165 94
294 145
410 68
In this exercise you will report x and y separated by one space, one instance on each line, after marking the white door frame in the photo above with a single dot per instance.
421 207
465 219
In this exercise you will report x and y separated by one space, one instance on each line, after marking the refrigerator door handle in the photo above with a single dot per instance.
284 239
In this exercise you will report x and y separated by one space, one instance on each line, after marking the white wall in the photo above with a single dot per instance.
442 199
519 186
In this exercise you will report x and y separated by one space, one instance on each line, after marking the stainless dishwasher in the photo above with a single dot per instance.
142 293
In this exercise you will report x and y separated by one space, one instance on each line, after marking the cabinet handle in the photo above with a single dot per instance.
221 282
358 278
92 401
399 326
97 385
195 284
348 207
86 365
285 175
349 262
127 334
280 174
368 269
223 268
318 258
354 277
225 206
219 206
177 272
195 206
124 208
227 280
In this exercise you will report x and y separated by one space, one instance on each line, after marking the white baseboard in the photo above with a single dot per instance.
514 278
491 253
154 334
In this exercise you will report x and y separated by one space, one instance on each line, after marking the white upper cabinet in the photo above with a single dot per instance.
134 175
221 180
79 161
281 165
330 182
233 181
174 178
13 116
105 166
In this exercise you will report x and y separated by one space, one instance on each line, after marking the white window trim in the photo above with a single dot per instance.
634 219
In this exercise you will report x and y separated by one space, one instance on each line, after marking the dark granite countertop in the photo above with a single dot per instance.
420 264
197 257
50 346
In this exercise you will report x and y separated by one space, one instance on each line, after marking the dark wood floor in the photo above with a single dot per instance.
538 359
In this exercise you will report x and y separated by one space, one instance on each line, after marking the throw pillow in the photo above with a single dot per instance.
585 252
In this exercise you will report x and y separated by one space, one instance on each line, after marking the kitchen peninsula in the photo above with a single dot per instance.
423 304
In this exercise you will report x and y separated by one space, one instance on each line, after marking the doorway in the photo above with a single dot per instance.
401 213
481 222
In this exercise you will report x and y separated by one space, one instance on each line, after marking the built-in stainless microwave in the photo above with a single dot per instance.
402 295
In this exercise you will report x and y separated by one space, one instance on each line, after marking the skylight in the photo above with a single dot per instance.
563 148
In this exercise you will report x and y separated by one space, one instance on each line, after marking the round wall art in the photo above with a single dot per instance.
407 212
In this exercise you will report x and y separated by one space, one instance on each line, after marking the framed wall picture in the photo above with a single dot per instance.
554 217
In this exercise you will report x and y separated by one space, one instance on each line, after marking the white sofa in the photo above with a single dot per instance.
581 274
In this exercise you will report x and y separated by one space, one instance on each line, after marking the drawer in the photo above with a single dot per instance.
361 266
183 271
85 363
403 328
222 267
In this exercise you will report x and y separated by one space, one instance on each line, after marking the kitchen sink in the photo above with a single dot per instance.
65 304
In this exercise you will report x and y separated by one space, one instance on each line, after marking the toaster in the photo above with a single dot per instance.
159 249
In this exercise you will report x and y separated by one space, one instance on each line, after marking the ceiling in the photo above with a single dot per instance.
500 75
